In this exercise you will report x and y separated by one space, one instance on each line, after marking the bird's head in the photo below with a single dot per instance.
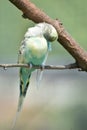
48 31
42 29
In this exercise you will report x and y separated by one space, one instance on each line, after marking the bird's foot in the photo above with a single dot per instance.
42 67
30 65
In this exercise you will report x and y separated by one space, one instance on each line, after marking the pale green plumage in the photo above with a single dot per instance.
34 49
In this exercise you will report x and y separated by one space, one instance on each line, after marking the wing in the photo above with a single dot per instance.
22 51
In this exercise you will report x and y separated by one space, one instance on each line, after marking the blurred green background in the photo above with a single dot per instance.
61 101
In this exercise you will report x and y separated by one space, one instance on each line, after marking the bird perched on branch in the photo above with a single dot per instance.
34 50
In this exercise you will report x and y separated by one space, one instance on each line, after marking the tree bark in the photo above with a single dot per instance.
33 13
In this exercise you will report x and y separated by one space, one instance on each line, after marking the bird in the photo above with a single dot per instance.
33 51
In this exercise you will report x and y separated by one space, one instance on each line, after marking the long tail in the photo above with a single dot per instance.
20 103
24 83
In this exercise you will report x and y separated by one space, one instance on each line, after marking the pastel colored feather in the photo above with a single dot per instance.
34 50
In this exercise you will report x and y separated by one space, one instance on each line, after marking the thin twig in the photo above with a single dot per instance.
58 67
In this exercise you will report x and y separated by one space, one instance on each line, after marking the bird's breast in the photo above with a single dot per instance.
36 49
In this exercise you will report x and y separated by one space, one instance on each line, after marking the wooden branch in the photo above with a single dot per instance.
59 67
33 13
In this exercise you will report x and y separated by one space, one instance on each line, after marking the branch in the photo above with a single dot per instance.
33 13
59 67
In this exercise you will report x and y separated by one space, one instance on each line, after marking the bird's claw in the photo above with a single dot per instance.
42 67
30 65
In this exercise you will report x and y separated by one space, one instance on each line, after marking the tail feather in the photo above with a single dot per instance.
39 77
20 104
24 83
40 72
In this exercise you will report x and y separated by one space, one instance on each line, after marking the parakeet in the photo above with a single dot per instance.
34 50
